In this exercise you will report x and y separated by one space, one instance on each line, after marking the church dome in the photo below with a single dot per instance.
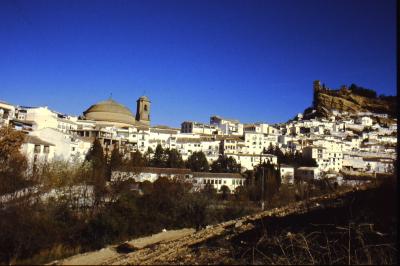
110 111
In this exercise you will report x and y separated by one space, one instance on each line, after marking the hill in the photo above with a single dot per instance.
353 100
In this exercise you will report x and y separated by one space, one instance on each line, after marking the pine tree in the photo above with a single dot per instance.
197 162
158 159
137 160
115 162
225 164
174 159
272 180
98 169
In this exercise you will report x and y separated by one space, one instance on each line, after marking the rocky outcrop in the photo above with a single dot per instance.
344 100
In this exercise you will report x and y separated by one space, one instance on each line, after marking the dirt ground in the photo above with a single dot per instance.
110 254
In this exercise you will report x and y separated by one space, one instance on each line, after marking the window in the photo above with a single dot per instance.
37 149
145 107
212 181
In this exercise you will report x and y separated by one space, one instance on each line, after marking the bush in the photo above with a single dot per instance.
362 91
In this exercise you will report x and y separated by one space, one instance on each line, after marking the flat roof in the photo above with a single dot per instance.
217 175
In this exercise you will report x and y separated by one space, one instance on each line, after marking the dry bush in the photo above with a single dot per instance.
60 173
13 164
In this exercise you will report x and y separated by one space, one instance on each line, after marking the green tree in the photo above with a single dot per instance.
250 178
158 159
174 159
270 149
209 191
98 169
362 91
241 193
115 162
197 162
225 192
148 155
269 176
225 164
137 160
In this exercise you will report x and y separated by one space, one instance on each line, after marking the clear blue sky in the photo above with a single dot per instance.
249 60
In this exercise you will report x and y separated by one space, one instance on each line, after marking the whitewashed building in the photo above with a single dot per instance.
227 126
217 180
287 174
7 112
307 173
37 150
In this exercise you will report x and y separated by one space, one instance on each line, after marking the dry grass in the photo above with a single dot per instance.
57 252
328 244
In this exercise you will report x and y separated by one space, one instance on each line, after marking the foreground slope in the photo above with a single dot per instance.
245 240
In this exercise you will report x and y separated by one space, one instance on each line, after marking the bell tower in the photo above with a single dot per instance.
143 110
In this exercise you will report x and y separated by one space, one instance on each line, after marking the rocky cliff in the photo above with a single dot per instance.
346 100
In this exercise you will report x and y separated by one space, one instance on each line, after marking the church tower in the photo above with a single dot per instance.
143 110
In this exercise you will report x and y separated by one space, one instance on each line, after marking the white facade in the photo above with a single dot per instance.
365 121
217 180
66 147
307 173
249 161
7 112
151 174
37 150
227 126
198 128
42 116
287 174
328 159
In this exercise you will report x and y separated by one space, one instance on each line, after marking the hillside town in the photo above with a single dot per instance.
343 144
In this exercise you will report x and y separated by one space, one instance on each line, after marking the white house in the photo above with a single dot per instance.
327 153
307 173
151 174
227 126
365 121
42 116
199 128
7 112
37 150
287 174
217 180
66 147
249 161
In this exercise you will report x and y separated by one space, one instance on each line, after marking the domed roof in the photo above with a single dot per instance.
110 111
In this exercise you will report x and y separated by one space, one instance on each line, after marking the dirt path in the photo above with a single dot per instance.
109 254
